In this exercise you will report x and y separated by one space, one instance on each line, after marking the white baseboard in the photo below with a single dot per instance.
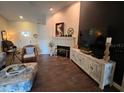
118 87
122 89
44 54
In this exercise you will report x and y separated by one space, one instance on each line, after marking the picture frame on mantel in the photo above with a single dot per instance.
59 29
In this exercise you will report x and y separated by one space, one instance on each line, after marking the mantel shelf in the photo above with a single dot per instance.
64 41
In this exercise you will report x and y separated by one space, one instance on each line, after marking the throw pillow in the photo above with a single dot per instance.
29 50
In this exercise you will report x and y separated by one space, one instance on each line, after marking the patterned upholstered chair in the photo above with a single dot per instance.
29 53
2 59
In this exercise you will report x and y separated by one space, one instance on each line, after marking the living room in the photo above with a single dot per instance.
64 34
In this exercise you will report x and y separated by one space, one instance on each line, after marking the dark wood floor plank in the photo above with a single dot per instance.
58 74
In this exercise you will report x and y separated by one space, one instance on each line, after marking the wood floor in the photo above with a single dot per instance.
58 74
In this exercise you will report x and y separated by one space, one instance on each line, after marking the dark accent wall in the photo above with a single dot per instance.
107 17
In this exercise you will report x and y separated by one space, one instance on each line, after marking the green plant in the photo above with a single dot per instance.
51 44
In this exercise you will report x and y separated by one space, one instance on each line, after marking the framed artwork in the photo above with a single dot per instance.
60 29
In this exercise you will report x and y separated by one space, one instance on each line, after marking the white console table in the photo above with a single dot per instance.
97 69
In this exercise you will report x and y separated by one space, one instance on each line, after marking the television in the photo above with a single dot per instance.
92 40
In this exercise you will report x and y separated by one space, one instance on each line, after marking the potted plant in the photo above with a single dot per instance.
51 45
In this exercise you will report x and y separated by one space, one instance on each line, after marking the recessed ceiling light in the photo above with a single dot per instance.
21 17
51 9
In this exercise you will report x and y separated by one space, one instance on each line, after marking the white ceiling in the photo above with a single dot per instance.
30 10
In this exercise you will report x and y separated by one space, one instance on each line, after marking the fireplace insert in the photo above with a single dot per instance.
63 51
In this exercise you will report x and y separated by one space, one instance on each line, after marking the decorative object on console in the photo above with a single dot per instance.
106 52
70 31
60 29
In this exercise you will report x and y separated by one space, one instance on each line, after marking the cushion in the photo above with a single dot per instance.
29 55
29 50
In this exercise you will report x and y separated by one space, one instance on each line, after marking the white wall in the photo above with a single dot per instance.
44 38
44 35
70 16
15 33
14 30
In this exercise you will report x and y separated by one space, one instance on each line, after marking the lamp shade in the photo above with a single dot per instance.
109 40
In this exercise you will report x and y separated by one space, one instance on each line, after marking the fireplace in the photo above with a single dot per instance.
63 45
63 51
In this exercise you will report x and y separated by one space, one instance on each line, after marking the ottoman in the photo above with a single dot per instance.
18 77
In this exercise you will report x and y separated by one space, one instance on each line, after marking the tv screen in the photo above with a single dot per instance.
93 40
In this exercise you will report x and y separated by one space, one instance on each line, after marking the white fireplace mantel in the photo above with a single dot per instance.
64 41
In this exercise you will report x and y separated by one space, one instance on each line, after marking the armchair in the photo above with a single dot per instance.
29 53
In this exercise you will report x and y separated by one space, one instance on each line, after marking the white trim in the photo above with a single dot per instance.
122 89
118 87
43 53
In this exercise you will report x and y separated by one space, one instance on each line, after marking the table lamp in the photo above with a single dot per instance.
106 56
